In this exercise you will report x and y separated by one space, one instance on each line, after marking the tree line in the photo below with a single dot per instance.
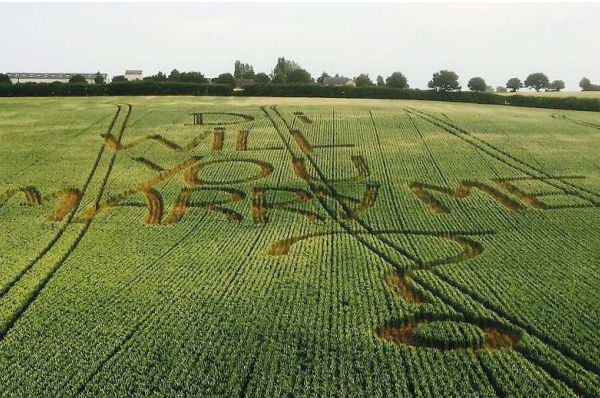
287 71
290 72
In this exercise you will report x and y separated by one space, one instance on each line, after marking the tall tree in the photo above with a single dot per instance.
174 75
249 72
537 81
380 81
586 85
397 79
99 79
299 76
477 84
444 80
5 79
501 89
282 69
363 80
243 71
237 69
513 84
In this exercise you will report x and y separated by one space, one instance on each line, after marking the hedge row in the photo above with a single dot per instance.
121 88
571 103
274 90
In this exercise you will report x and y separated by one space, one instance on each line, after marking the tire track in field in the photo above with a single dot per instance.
581 361
501 155
369 230
33 295
580 390
23 170
78 133
140 277
142 324
388 177
490 380
498 312
460 204
578 121
60 232
591 367
332 214
328 184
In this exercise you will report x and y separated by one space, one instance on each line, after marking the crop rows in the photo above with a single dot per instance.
302 250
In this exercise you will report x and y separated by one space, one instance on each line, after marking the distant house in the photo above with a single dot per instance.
50 77
241 83
134 74
338 81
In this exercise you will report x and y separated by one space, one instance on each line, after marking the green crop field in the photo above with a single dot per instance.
269 247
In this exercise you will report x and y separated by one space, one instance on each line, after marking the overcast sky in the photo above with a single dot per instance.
495 41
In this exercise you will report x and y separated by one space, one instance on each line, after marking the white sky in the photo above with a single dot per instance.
495 41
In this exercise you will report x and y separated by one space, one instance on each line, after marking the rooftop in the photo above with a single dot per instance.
56 76
336 80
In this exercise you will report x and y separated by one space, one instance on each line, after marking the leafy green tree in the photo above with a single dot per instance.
444 80
396 79
262 78
380 81
501 89
513 84
321 79
175 75
118 79
5 79
78 79
586 85
192 77
477 84
277 79
99 79
363 80
159 77
299 76
557 85
282 70
225 78
243 71
537 81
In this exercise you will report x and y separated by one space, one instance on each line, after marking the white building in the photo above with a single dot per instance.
134 74
338 81
50 77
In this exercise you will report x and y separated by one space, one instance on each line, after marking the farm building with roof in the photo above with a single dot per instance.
49 77
338 81
134 74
